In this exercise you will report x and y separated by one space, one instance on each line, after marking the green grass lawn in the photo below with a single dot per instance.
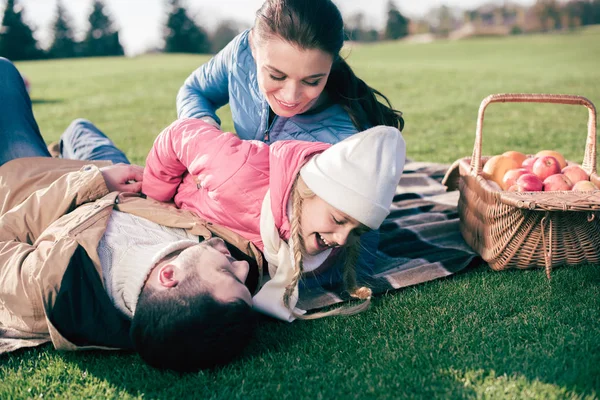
479 334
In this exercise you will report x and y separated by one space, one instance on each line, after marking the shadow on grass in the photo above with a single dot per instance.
528 335
127 372
45 101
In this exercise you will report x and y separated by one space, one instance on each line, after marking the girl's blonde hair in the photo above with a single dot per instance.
300 192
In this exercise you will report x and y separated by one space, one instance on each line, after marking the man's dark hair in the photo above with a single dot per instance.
187 329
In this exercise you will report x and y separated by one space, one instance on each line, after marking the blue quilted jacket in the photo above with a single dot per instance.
230 77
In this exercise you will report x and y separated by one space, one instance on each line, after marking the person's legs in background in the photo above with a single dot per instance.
84 141
19 133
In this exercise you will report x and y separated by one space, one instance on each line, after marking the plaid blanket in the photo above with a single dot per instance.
419 241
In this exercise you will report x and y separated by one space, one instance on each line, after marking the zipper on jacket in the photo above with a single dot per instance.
266 137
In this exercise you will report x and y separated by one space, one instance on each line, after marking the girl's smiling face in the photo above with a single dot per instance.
290 78
323 226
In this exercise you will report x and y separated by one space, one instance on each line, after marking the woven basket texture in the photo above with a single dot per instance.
529 229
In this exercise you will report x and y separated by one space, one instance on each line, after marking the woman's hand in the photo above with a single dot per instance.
123 177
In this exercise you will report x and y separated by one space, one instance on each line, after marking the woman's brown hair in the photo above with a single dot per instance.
318 24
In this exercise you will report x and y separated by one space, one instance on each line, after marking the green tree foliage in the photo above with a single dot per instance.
396 26
102 39
64 44
548 13
182 34
16 37
586 12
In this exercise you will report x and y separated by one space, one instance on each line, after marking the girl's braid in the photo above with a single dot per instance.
298 243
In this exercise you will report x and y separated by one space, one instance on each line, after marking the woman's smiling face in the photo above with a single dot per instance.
290 78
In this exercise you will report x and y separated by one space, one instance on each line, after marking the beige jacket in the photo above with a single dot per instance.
49 207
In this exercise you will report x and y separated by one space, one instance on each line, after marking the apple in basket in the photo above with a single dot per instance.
511 176
575 173
584 186
515 155
557 182
528 163
559 157
529 183
495 168
545 166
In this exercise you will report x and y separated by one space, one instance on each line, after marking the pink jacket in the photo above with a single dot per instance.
223 178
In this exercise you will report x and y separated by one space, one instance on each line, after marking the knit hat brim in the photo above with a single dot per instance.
359 175
360 208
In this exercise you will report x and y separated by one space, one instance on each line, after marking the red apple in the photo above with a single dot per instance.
575 173
545 166
557 182
584 186
529 183
559 157
511 176
528 163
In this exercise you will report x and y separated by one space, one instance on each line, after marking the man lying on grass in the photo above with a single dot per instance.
85 263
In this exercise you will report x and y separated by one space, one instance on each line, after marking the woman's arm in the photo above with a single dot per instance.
207 88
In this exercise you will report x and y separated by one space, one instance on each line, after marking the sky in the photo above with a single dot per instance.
140 21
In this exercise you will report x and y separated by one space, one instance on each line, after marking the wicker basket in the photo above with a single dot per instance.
530 229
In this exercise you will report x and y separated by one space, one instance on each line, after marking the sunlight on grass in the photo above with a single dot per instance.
490 385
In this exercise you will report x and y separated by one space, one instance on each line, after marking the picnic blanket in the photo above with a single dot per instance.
419 241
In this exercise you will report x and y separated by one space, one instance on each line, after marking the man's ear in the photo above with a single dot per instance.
166 276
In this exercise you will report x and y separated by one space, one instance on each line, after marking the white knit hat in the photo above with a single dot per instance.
359 175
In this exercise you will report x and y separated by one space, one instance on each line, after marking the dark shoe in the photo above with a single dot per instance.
54 149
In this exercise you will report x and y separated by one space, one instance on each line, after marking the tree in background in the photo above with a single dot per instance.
64 44
102 39
396 26
356 30
583 12
182 34
549 14
16 37
443 20
225 32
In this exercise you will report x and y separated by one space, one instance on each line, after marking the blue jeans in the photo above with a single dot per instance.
84 141
20 135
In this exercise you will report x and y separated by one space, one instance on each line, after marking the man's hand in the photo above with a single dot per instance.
123 177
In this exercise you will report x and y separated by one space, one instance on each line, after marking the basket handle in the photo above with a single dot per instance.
589 159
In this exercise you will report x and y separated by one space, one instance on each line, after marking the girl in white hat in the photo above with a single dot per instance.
297 201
